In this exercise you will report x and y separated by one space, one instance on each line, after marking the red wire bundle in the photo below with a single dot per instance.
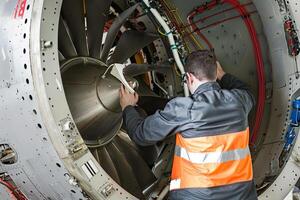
14 191
257 52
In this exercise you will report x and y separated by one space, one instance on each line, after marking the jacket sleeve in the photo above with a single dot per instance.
156 127
238 89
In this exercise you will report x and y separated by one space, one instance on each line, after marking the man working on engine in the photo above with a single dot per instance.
212 159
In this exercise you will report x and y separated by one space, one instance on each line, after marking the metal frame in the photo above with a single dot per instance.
39 172
285 88
34 110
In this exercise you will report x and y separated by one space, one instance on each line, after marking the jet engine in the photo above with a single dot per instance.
61 66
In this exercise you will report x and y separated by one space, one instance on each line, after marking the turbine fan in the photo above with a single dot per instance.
93 100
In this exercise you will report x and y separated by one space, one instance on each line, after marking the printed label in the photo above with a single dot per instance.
20 9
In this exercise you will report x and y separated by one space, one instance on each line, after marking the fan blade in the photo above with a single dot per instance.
102 156
60 56
65 43
141 170
127 179
113 31
122 4
97 12
135 40
138 69
73 14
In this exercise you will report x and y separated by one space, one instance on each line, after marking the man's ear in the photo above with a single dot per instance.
190 78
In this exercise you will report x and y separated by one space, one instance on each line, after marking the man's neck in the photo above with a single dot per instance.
200 83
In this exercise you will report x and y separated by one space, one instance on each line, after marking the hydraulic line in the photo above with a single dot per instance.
193 26
220 22
213 15
256 48
171 39
178 22
195 29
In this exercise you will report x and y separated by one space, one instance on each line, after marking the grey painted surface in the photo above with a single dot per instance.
33 106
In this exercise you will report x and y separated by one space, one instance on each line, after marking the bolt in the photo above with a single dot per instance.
73 181
68 126
47 44
8 84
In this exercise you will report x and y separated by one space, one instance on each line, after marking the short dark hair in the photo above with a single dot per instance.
202 64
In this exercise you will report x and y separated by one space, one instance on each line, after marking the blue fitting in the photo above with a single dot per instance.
294 122
295 114
296 103
289 138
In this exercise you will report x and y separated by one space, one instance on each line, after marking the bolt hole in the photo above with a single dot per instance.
40 126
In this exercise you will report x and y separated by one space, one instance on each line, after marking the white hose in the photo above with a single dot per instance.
170 36
159 86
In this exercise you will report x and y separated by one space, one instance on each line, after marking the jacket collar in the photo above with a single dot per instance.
206 87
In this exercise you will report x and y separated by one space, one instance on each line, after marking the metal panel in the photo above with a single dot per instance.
54 107
4 193
285 88
21 124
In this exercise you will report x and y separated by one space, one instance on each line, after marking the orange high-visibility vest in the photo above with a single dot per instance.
210 161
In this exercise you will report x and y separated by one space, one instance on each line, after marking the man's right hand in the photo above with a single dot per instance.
220 71
127 99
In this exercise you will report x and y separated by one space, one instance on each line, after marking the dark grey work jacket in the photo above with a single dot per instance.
214 108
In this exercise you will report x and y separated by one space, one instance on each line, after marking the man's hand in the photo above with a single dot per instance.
220 71
127 99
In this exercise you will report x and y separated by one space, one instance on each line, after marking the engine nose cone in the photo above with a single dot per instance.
108 93
93 100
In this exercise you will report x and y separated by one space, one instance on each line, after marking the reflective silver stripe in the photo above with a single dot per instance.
212 157
175 184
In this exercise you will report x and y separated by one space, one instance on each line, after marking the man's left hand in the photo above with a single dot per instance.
127 99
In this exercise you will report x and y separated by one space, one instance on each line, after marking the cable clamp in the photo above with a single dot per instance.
174 46
245 16
168 33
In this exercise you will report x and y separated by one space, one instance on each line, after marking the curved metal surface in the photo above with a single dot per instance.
35 118
135 40
113 31
76 14
94 102
97 15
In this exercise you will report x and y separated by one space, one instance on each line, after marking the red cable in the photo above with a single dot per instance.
222 21
259 67
217 23
257 52
213 15
18 195
193 25
195 29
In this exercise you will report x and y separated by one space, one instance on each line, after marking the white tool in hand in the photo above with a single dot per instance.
117 72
